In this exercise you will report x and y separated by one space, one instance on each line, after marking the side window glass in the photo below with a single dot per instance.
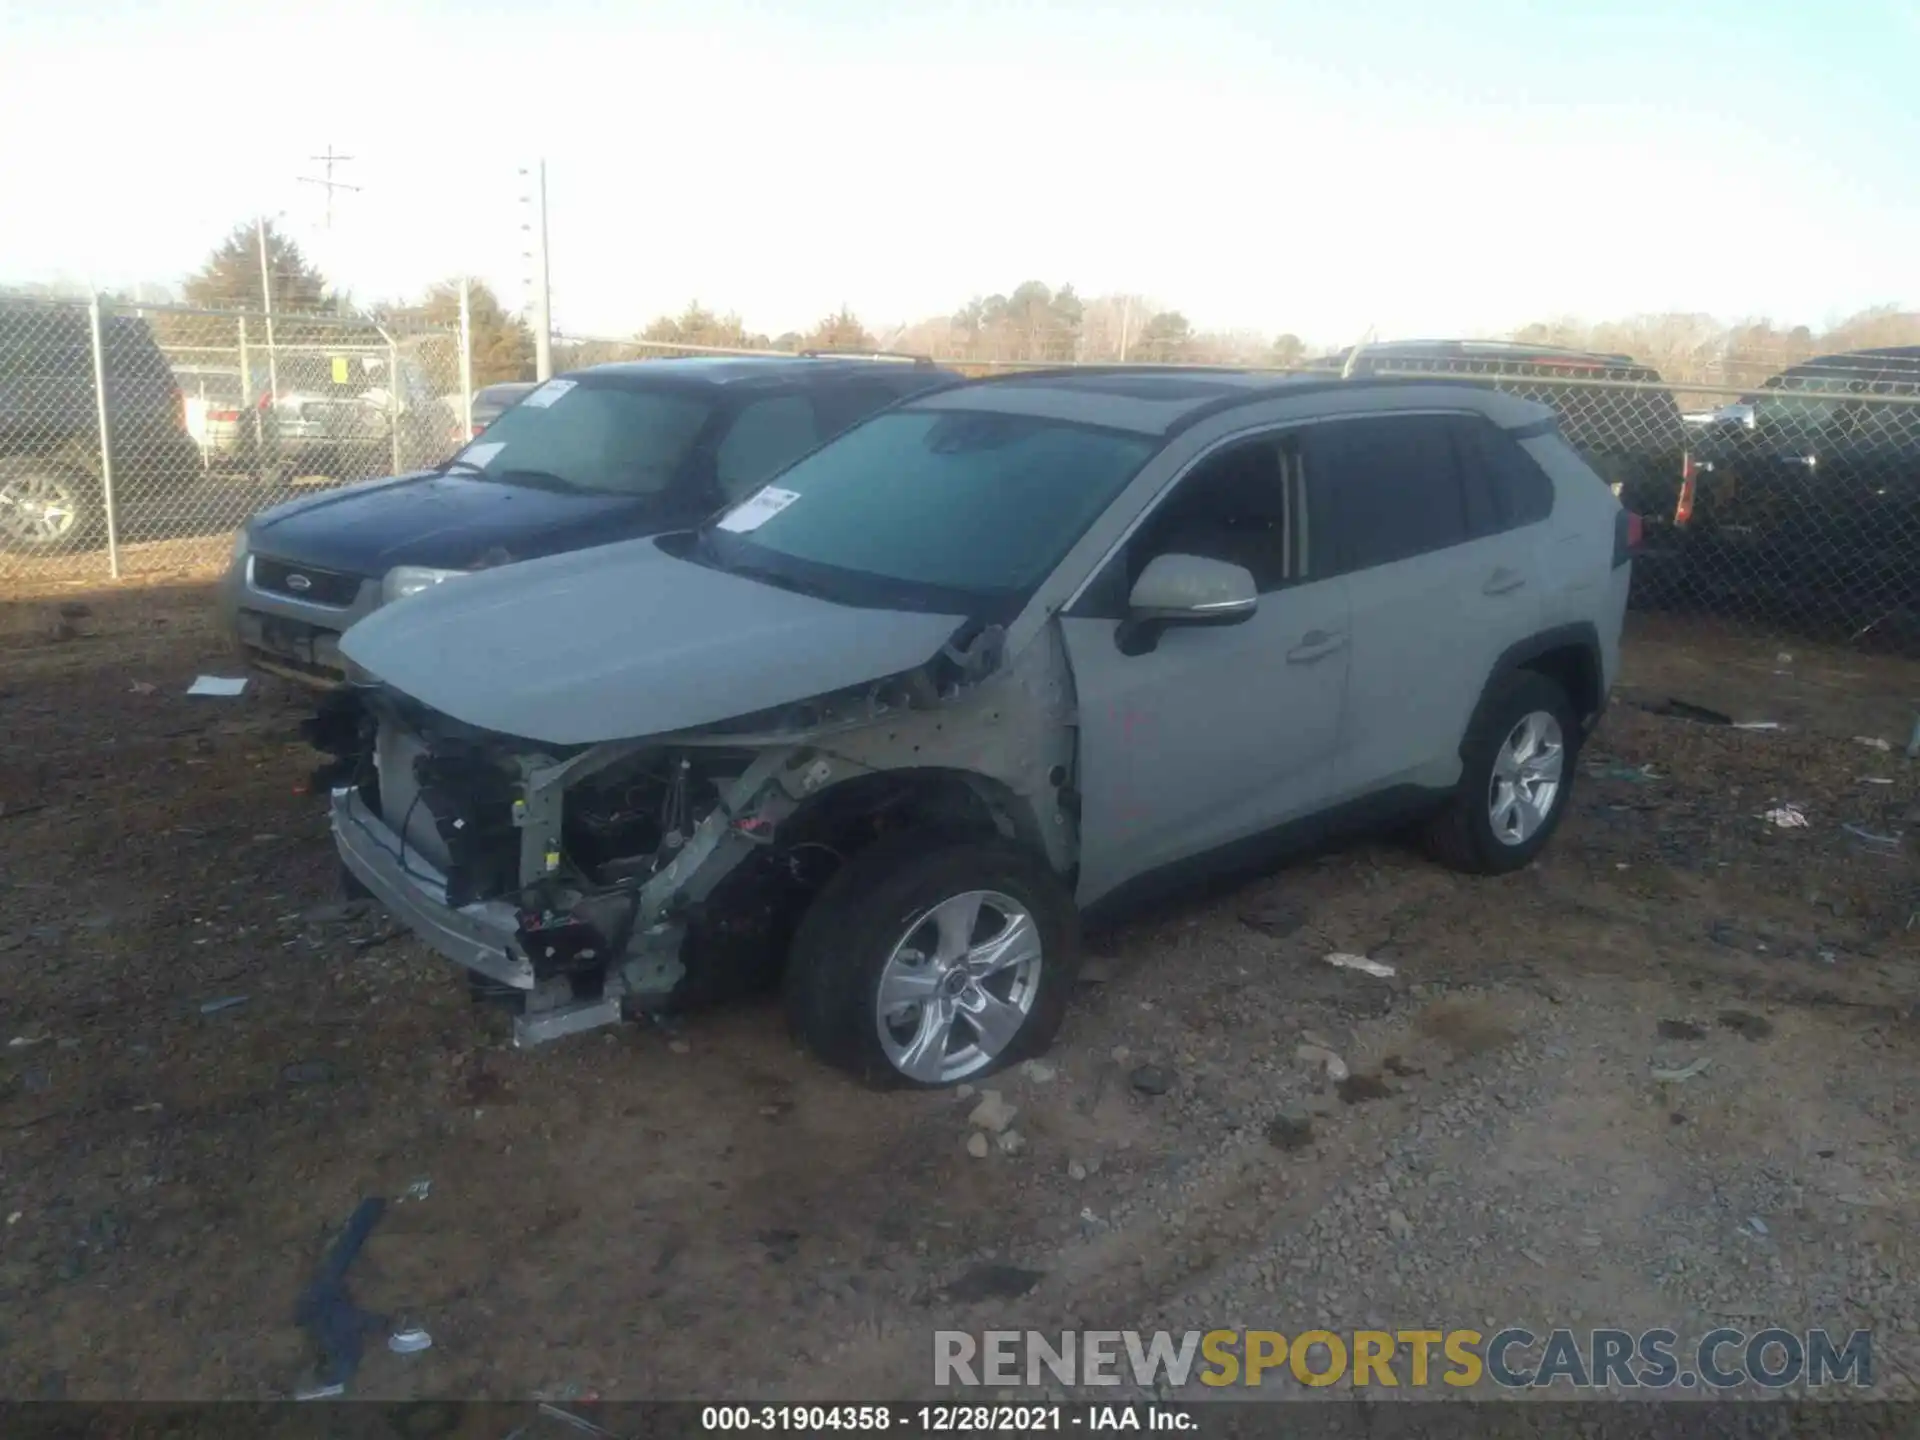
765 438
1232 508
1505 490
1393 486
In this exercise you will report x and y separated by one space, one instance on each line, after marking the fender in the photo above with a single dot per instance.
1590 700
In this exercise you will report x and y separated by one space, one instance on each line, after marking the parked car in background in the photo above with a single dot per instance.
599 455
1008 652
52 496
1615 411
1809 492
220 410
490 401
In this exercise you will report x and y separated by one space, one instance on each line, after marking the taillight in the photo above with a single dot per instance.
1683 511
224 416
1627 536
477 429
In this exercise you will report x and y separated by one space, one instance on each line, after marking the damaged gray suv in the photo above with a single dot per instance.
1004 654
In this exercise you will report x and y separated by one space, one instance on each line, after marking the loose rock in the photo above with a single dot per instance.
1151 1080
992 1113
1290 1132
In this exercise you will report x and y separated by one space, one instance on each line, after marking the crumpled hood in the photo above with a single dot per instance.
625 641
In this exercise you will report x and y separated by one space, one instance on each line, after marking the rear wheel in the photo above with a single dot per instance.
929 962
1516 772
46 505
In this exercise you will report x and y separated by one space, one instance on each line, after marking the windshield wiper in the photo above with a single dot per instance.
768 575
544 479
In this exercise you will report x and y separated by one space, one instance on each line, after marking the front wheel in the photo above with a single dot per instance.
46 506
932 961
1516 772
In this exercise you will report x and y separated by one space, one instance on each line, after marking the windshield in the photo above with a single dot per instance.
591 436
932 508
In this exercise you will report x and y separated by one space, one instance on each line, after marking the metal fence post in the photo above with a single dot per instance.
106 440
393 397
266 302
466 357
246 399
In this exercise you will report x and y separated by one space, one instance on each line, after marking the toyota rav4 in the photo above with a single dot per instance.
1008 652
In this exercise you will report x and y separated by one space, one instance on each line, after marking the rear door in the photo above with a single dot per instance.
1438 588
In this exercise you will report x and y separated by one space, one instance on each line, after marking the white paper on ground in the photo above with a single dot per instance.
548 393
756 510
217 685
1379 969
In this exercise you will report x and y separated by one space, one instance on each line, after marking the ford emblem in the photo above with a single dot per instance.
300 583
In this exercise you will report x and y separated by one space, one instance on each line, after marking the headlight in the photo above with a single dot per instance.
405 580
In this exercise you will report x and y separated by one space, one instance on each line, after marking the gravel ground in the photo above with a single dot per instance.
706 1211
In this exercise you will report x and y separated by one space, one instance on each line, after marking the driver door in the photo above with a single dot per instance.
1217 732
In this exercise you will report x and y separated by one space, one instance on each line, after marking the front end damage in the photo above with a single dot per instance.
580 884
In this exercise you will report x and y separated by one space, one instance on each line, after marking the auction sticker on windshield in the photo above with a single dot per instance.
756 510
548 393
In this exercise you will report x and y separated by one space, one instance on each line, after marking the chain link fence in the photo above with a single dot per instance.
138 438
1782 490
1786 497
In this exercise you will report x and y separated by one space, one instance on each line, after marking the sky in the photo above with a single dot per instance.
1413 167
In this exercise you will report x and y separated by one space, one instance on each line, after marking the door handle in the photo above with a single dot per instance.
1502 581
1314 645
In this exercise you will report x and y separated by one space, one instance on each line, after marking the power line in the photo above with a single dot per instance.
329 160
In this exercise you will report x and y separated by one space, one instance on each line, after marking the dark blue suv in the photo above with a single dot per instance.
614 452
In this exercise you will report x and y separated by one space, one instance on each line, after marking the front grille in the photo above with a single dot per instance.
322 587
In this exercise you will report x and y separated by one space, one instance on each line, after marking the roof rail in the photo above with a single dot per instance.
1054 372
898 357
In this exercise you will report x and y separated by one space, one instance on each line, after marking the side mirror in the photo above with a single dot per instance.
1184 590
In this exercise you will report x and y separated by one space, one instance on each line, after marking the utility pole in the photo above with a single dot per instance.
329 160
1126 321
542 292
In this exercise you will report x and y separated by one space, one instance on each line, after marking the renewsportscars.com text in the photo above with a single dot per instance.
1512 1359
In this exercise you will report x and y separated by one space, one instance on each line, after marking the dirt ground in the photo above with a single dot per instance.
707 1212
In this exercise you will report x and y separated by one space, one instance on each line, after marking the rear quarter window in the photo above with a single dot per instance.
1521 492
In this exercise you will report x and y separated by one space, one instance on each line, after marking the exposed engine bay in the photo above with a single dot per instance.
650 873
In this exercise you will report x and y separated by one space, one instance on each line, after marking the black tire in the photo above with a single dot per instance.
844 941
350 885
1461 836
35 479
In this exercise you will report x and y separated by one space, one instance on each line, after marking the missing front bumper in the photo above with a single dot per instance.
480 936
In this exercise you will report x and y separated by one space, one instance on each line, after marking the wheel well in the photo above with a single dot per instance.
1575 670
858 812
745 926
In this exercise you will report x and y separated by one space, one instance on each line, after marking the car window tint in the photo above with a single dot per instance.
1519 491
1232 507
597 437
765 438
1806 400
963 501
1393 487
